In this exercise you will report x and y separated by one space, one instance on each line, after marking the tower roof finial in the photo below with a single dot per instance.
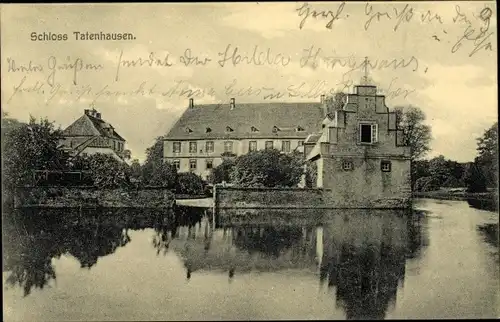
365 77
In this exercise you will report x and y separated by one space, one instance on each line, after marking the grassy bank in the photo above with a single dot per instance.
61 197
457 195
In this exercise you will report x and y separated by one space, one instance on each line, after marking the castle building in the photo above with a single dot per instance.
206 134
360 155
90 134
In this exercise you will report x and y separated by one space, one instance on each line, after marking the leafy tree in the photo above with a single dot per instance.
105 171
339 99
268 168
189 183
222 172
336 101
428 183
474 178
159 174
438 167
28 147
416 134
155 171
135 170
311 174
487 158
154 154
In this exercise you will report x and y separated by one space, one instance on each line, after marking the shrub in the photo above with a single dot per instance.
190 183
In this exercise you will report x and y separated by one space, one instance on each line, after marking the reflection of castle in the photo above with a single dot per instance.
360 253
364 259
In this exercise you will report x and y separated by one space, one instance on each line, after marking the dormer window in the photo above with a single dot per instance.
275 129
229 129
208 130
254 129
188 130
300 129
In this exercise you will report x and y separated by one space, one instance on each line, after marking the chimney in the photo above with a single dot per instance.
191 103
231 104
322 98
86 112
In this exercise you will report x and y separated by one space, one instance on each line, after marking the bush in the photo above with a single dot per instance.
105 170
475 179
427 184
311 174
267 168
222 172
190 183
159 174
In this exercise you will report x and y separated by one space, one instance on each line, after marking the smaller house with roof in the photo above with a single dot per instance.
90 134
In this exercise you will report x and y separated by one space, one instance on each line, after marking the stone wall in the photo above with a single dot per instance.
238 197
348 195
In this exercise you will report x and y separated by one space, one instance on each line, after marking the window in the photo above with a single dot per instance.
300 143
192 164
228 146
192 147
275 129
285 146
385 166
269 145
252 146
188 130
368 133
209 146
300 129
228 129
209 163
347 165
114 145
208 130
177 164
177 147
254 129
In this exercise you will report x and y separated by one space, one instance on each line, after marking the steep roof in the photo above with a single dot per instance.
88 125
268 120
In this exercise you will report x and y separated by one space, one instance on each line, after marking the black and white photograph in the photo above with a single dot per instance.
204 161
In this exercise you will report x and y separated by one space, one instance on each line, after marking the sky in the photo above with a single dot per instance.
439 56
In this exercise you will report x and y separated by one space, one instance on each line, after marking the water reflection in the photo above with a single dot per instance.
359 255
487 203
30 244
362 254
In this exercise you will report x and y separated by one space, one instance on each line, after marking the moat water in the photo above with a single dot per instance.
439 261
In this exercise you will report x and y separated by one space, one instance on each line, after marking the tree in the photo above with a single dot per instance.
189 183
268 168
105 171
135 170
155 171
222 172
339 99
487 159
28 147
474 178
416 135
311 174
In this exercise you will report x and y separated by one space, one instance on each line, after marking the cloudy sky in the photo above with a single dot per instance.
439 56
